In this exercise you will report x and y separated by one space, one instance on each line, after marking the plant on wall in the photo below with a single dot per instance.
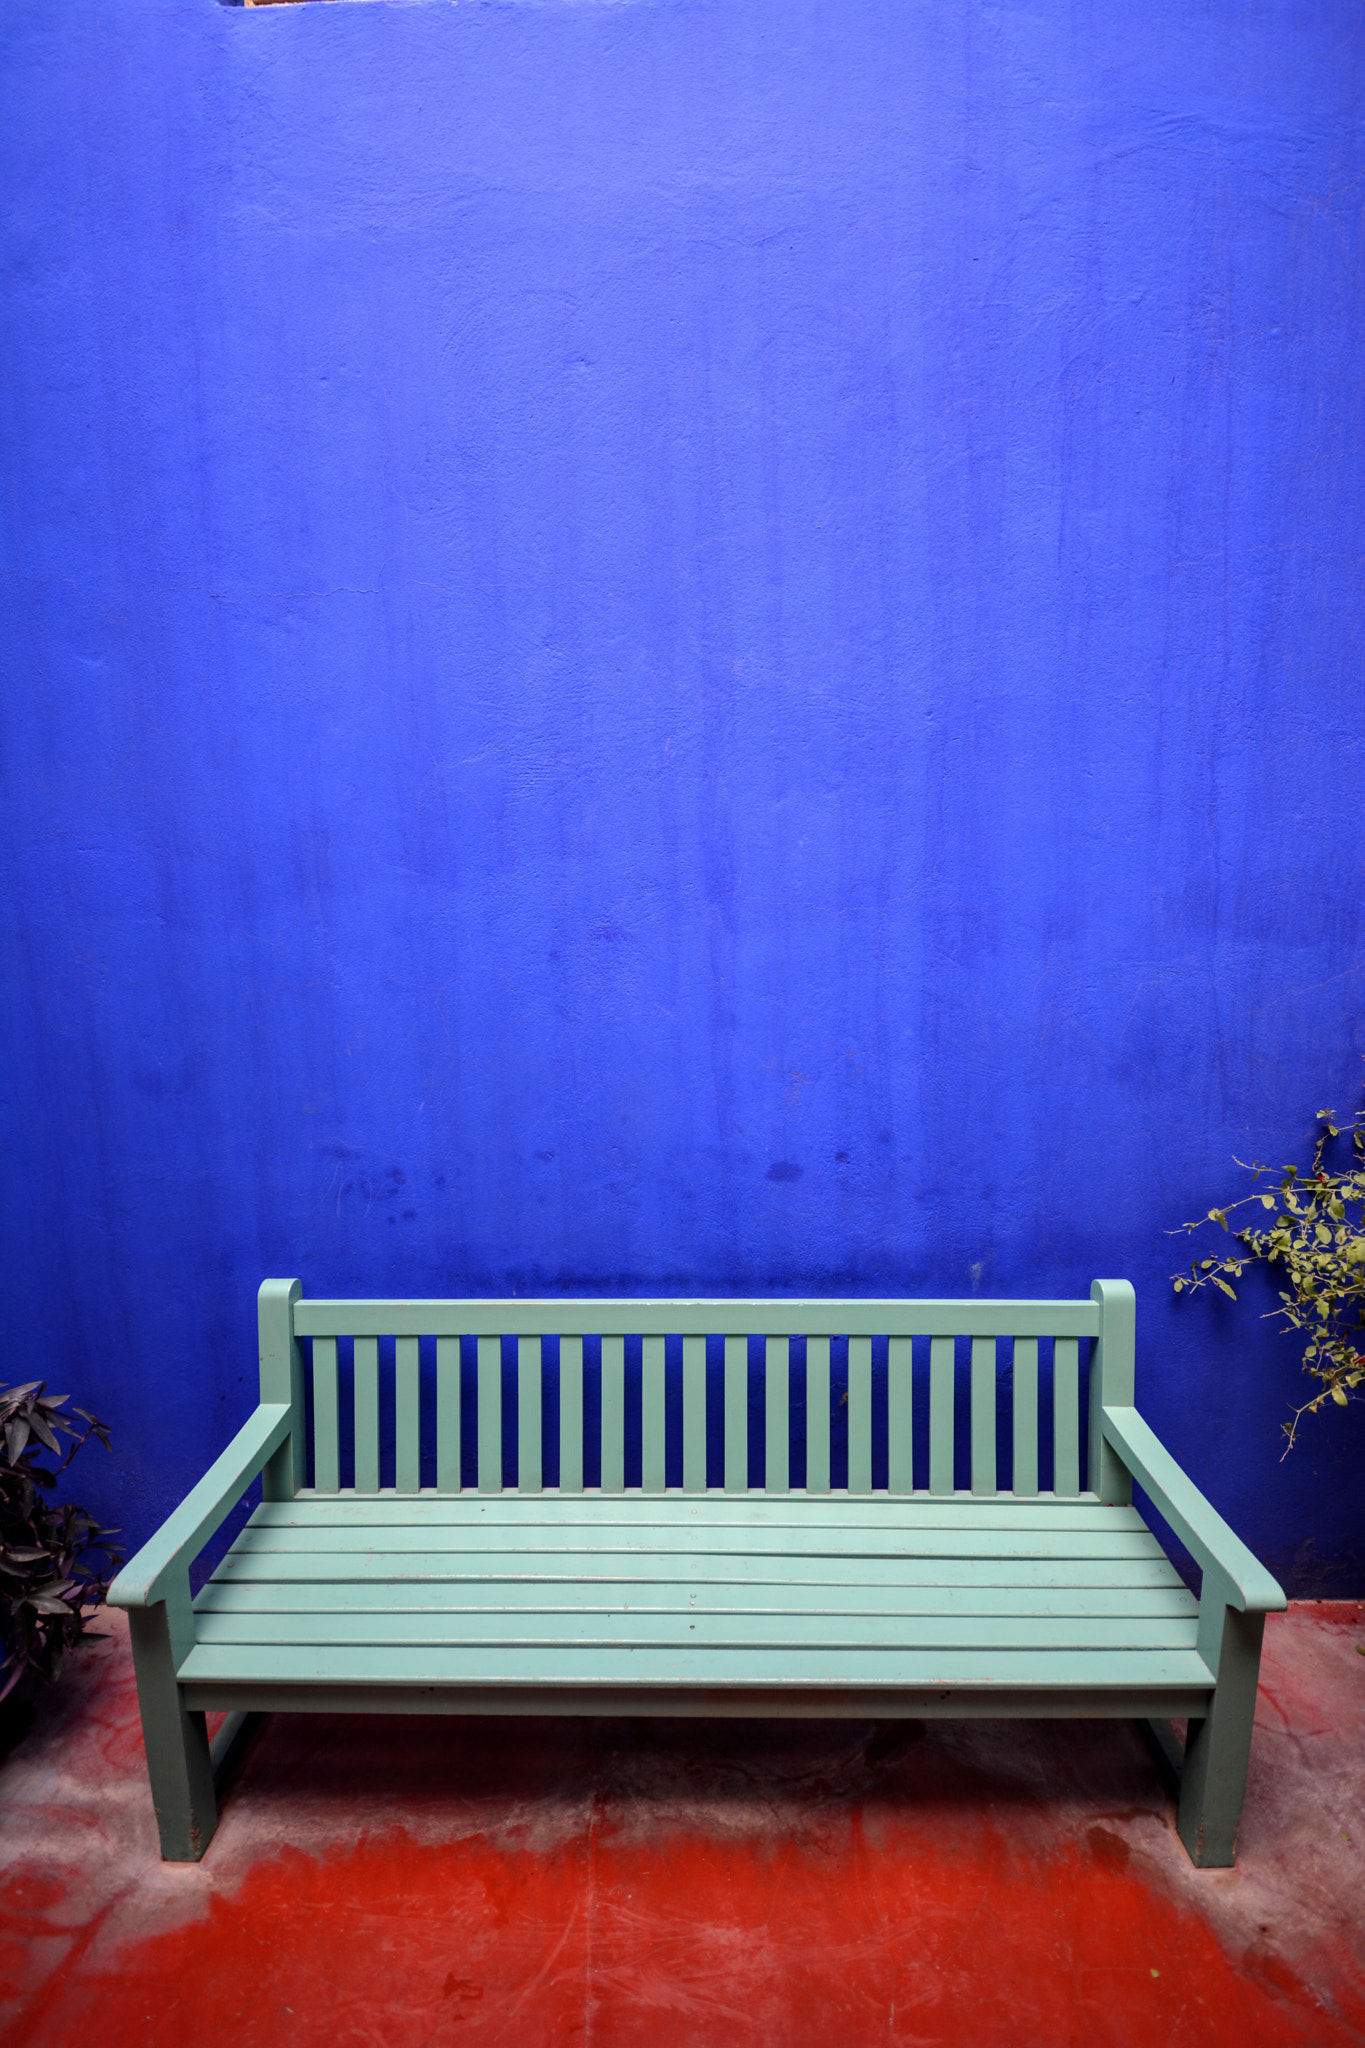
55 1562
1315 1232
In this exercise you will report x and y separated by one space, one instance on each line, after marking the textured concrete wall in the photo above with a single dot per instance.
702 646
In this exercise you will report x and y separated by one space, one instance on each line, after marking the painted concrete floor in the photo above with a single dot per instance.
398 1883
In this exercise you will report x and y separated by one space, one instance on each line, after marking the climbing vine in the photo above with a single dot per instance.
1314 1233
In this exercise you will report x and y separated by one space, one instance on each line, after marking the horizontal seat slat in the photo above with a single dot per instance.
681 1511
312 1567
870 1542
715 1596
705 1318
713 1668
689 1629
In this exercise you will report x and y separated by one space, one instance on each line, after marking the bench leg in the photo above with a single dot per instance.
176 1740
1213 1780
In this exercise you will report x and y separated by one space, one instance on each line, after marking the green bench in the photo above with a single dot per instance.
741 1598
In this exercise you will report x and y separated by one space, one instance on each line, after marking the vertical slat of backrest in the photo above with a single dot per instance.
817 1415
983 1415
448 1414
736 1414
777 1415
407 1457
653 1477
490 1415
326 1434
1026 1415
941 1415
1066 1431
694 1414
900 1428
366 1381
528 1415
860 1415
613 1414
571 1414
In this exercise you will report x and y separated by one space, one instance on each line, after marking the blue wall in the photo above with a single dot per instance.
700 646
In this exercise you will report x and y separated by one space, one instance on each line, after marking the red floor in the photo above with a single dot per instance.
397 1883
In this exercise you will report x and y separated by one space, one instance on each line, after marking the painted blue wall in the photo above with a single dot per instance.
706 646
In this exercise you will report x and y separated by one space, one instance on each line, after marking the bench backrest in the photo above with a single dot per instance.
774 1359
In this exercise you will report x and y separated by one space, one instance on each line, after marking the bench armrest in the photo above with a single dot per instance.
144 1579
1246 1584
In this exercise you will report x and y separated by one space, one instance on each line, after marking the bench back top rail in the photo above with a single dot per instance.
725 1318
964 1382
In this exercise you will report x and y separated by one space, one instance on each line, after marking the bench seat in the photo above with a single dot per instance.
738 1507
626 1601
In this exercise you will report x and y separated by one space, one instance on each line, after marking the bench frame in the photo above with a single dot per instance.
1237 1590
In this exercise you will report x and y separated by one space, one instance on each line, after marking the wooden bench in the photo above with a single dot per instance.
872 1592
